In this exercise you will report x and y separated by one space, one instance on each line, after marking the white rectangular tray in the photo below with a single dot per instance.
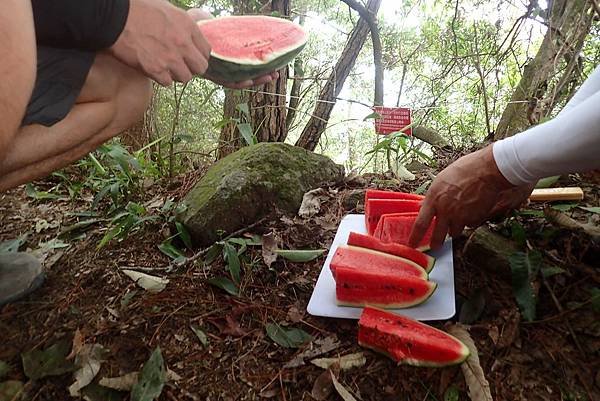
440 306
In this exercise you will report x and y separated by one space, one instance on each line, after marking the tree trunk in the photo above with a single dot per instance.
266 103
568 25
320 116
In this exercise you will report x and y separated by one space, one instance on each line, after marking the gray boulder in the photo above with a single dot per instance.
248 184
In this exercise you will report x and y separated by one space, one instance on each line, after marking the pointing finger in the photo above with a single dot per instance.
421 225
439 233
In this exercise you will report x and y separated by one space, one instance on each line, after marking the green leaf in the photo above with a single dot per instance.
247 133
547 182
552 271
300 256
225 284
532 213
595 292
4 369
127 298
451 394
525 267
233 261
10 390
50 362
373 116
170 250
241 242
96 392
151 380
244 109
201 336
213 252
184 234
254 240
39 195
591 209
473 308
13 245
518 234
289 338
564 207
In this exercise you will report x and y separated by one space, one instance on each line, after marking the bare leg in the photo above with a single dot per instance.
113 98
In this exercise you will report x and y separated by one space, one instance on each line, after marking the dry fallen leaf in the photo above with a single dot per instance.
149 283
269 245
126 382
78 342
560 219
324 346
323 385
346 362
311 202
345 394
295 314
479 388
89 358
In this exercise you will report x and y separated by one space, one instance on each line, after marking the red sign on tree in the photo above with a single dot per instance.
393 119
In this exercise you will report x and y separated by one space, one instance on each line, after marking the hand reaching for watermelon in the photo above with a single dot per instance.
466 193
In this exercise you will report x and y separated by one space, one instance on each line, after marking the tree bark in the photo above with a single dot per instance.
320 116
569 23
266 103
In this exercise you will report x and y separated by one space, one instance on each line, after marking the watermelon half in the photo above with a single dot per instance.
375 208
368 260
354 287
250 46
412 255
408 341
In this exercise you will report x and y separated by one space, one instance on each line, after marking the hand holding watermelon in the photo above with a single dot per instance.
162 41
466 193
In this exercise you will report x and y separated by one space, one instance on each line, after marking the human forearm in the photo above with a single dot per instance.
568 143
17 67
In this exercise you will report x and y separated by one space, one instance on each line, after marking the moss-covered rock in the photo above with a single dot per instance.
248 184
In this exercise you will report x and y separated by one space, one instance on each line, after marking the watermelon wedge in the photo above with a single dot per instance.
397 229
247 47
375 208
359 288
379 194
366 241
377 233
368 260
408 341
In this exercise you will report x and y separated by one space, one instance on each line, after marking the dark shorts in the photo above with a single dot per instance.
61 74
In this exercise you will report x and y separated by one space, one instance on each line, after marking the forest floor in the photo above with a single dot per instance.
87 297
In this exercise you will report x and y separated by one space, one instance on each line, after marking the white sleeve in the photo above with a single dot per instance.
587 89
566 144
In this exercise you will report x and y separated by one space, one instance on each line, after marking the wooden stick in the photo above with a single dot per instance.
556 194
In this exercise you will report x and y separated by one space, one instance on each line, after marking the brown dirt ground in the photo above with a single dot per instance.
84 290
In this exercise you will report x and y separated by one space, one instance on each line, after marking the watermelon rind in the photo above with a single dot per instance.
420 363
425 275
402 251
404 305
229 69
463 352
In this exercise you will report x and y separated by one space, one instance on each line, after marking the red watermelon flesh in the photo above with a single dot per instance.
408 341
375 208
379 194
377 233
397 229
359 288
249 46
366 241
367 260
